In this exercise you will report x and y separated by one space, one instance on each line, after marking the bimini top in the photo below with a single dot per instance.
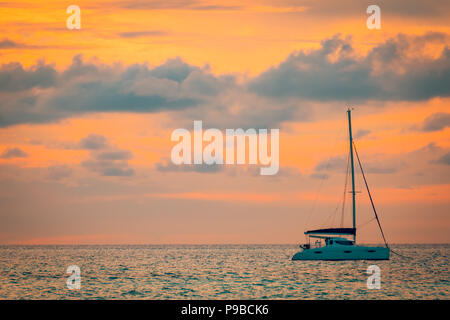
347 231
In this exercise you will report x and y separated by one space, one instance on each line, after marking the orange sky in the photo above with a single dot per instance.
56 180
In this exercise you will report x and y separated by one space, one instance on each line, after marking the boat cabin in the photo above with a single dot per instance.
329 237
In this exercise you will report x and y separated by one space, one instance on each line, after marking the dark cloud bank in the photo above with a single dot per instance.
334 72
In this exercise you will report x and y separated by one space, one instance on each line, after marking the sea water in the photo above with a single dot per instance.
216 272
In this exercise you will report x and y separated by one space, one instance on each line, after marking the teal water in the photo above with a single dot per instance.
216 272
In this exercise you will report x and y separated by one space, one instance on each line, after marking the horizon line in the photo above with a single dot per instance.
197 244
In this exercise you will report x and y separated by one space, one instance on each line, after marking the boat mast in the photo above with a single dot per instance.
353 171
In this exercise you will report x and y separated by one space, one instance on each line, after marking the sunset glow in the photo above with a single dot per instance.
86 118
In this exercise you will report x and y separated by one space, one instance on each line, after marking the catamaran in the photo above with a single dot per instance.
337 245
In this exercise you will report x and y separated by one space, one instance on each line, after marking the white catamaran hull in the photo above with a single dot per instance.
343 253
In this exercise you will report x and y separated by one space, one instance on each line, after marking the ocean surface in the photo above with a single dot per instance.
216 272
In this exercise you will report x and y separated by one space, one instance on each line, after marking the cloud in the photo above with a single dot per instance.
445 159
398 69
93 142
320 176
173 69
108 167
436 122
105 159
382 168
167 166
215 7
170 4
115 155
327 8
58 172
9 153
14 78
117 172
236 108
339 164
138 34
88 87
8 44
361 133
335 72
332 164
346 9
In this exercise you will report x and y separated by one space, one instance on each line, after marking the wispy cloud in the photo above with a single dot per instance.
138 34
172 4
59 172
10 44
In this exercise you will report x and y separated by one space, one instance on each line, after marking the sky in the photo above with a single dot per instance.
86 118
